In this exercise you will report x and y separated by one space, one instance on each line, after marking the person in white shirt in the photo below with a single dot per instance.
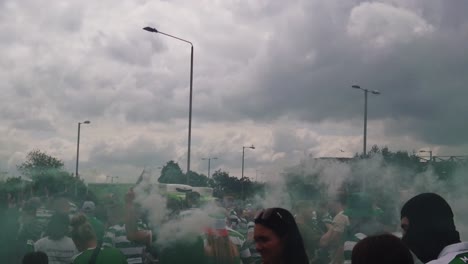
58 247
429 230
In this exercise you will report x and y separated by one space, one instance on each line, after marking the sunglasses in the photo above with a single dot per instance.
267 214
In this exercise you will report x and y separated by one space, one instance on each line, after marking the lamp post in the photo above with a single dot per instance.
78 147
78 152
209 163
243 157
427 151
153 30
366 91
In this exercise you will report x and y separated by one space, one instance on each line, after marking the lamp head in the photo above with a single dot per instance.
356 86
150 29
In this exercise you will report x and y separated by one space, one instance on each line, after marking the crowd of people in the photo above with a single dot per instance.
349 228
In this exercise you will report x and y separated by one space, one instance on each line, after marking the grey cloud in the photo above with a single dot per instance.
133 48
34 125
139 152
309 61
259 61
410 75
286 140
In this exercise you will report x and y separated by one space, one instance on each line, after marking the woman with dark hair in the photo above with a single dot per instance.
277 237
57 245
382 249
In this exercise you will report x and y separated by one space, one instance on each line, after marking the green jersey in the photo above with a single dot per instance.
460 259
105 256
98 227
181 252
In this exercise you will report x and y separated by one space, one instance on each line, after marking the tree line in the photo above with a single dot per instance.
44 175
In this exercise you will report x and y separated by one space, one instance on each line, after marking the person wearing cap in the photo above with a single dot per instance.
88 209
362 222
429 230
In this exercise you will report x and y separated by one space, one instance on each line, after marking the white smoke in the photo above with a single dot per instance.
388 183
152 202
186 227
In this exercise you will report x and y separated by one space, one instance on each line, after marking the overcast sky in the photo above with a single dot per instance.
273 73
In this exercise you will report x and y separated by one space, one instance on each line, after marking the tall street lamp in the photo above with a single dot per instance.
78 152
209 163
78 146
366 91
153 30
243 157
427 151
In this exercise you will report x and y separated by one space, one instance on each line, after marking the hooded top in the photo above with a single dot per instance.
431 226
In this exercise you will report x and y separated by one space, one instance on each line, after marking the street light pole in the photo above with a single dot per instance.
153 30
78 147
365 123
209 164
78 152
366 91
242 177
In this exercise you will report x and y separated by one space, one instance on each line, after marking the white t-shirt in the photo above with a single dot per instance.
59 251
455 253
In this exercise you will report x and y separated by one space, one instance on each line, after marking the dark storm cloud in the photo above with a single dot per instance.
420 69
256 62
306 66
